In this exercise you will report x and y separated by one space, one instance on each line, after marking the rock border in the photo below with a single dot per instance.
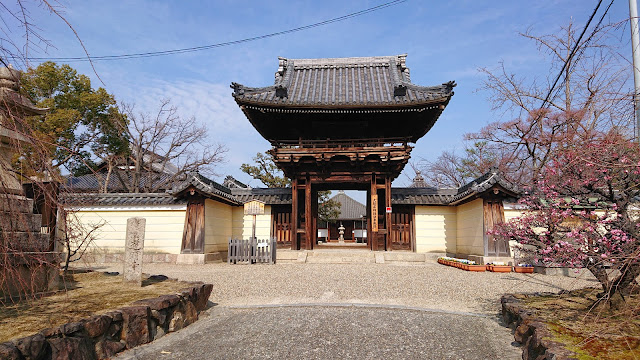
531 332
103 336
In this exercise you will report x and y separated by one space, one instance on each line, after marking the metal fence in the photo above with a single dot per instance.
252 251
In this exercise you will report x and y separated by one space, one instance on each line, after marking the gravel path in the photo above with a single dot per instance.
430 285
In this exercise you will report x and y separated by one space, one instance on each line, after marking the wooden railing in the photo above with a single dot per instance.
342 143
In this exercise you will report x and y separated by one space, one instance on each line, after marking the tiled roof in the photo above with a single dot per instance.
206 186
421 196
270 196
349 208
343 83
418 181
231 182
120 199
482 184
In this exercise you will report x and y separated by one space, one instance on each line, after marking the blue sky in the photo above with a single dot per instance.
445 40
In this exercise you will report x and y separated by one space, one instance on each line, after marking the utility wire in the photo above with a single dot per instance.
573 51
582 47
222 44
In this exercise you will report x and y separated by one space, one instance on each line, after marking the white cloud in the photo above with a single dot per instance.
213 106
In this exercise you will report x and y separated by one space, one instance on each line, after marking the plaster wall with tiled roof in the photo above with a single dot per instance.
282 196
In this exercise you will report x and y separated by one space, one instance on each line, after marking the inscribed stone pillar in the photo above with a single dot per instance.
133 251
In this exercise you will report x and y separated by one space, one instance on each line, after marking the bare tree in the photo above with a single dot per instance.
594 96
451 169
20 35
164 148
76 236
444 171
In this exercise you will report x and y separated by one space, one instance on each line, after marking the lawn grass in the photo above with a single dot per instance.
82 294
593 333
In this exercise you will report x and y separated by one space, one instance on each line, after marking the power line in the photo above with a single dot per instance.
583 47
573 51
222 44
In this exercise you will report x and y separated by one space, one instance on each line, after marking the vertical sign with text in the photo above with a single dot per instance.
374 212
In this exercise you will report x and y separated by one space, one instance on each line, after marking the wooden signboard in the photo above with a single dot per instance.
374 212
254 207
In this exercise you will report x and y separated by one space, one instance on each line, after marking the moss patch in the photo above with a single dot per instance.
593 333
81 295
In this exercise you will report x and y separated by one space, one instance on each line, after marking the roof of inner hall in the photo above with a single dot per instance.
377 81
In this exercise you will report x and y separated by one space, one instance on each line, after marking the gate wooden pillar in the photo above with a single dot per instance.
314 216
308 215
373 206
295 242
387 215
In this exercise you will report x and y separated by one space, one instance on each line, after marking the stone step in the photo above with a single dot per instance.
341 257
15 203
26 241
401 256
11 222
345 256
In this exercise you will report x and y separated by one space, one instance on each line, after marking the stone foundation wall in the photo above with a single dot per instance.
103 336
533 334
24 274
111 258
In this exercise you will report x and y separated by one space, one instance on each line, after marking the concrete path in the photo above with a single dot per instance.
405 311
333 332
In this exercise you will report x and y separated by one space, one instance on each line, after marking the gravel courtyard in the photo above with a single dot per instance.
356 311
428 285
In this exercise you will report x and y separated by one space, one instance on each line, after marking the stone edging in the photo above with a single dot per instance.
102 336
532 333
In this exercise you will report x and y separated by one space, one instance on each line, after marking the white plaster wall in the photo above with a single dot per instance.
163 230
470 228
217 226
435 228
242 224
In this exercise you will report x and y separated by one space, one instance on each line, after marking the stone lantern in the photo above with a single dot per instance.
341 233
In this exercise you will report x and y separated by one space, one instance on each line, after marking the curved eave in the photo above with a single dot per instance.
201 187
399 103
286 122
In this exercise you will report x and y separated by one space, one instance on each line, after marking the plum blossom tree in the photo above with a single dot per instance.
582 212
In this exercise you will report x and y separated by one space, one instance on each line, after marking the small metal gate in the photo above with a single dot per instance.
252 251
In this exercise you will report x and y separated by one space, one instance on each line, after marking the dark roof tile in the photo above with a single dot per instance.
120 199
343 82
349 208
270 196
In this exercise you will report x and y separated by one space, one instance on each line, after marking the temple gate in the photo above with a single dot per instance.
343 123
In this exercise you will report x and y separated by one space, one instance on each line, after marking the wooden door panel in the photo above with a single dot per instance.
494 214
193 232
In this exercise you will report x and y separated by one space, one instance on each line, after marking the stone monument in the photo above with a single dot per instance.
26 265
134 250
